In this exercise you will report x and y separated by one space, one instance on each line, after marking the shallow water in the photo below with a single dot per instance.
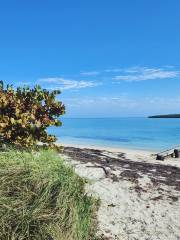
137 133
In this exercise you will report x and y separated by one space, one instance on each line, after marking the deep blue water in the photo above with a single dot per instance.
140 133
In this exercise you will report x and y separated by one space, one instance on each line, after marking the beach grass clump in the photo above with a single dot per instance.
41 198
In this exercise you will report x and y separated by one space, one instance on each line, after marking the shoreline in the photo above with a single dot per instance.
109 148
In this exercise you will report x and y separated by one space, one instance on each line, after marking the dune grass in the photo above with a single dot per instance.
41 198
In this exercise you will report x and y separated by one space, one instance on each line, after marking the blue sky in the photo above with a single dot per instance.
109 58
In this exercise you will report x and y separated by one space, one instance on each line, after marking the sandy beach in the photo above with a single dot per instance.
140 196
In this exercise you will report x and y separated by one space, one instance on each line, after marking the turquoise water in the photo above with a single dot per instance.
138 133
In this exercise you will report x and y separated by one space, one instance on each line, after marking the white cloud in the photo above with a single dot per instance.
113 70
65 84
125 101
122 105
92 73
144 73
101 102
22 84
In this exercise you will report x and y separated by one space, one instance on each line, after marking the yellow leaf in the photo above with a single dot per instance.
12 120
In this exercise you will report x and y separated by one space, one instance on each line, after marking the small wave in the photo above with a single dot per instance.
113 139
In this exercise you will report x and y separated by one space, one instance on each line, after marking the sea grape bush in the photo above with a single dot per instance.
26 113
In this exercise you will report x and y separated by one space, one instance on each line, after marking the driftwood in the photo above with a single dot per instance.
107 171
168 153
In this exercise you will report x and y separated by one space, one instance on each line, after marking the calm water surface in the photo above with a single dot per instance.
139 133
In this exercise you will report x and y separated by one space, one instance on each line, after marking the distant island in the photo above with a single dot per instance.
166 116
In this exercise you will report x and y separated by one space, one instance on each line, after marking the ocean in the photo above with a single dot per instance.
134 133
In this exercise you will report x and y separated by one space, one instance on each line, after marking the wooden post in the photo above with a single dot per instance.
176 153
160 157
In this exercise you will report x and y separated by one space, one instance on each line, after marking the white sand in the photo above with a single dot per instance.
126 214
